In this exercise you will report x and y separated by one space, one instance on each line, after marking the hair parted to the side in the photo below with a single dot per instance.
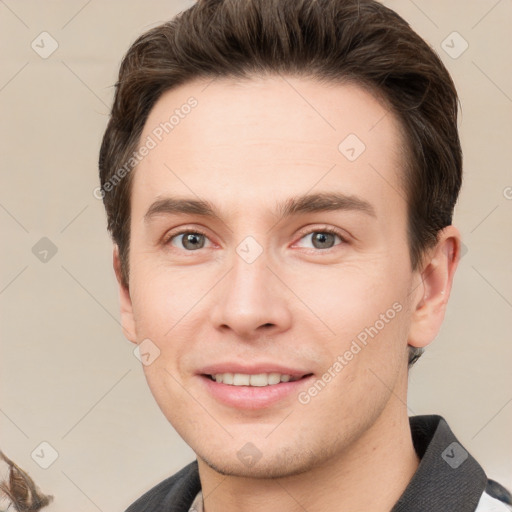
332 41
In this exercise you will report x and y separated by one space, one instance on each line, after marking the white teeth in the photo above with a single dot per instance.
227 378
275 378
239 379
258 380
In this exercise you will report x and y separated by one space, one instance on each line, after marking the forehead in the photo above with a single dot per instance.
210 137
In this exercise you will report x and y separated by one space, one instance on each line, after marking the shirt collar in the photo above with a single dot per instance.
447 478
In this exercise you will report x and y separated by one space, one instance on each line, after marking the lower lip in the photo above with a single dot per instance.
253 397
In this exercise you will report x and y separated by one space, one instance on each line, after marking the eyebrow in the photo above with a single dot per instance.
308 203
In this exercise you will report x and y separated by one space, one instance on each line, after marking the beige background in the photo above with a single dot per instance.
70 379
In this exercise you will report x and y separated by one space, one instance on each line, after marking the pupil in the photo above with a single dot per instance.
192 241
323 239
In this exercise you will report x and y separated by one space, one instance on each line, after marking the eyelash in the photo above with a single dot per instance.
323 229
168 239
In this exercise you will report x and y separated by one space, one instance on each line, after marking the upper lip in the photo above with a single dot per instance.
252 369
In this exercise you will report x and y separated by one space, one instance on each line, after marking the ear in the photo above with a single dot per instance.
127 319
436 274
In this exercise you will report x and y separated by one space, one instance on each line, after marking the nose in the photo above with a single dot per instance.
251 301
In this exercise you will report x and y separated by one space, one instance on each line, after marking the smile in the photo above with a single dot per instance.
254 390
257 380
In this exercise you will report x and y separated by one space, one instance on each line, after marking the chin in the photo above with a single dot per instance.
278 466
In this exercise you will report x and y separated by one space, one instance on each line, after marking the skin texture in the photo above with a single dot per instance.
246 147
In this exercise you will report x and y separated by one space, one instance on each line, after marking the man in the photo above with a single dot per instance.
279 178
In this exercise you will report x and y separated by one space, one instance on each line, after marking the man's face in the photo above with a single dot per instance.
272 284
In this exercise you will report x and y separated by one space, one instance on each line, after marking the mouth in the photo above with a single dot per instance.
255 391
254 380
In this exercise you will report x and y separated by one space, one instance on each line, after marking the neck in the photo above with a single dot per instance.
371 474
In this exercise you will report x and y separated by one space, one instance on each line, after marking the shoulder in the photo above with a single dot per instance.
174 494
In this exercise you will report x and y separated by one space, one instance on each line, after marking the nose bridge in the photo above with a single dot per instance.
250 273
248 285
248 298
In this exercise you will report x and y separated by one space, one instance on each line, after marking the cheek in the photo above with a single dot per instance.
352 296
366 310
163 299
170 394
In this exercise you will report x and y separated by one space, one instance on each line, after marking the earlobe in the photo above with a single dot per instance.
126 308
437 275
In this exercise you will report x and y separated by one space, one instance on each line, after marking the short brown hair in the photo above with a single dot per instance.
361 41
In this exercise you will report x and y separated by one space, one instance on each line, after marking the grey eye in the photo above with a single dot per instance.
190 240
322 240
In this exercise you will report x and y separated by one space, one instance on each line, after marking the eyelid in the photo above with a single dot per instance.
324 229
166 239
